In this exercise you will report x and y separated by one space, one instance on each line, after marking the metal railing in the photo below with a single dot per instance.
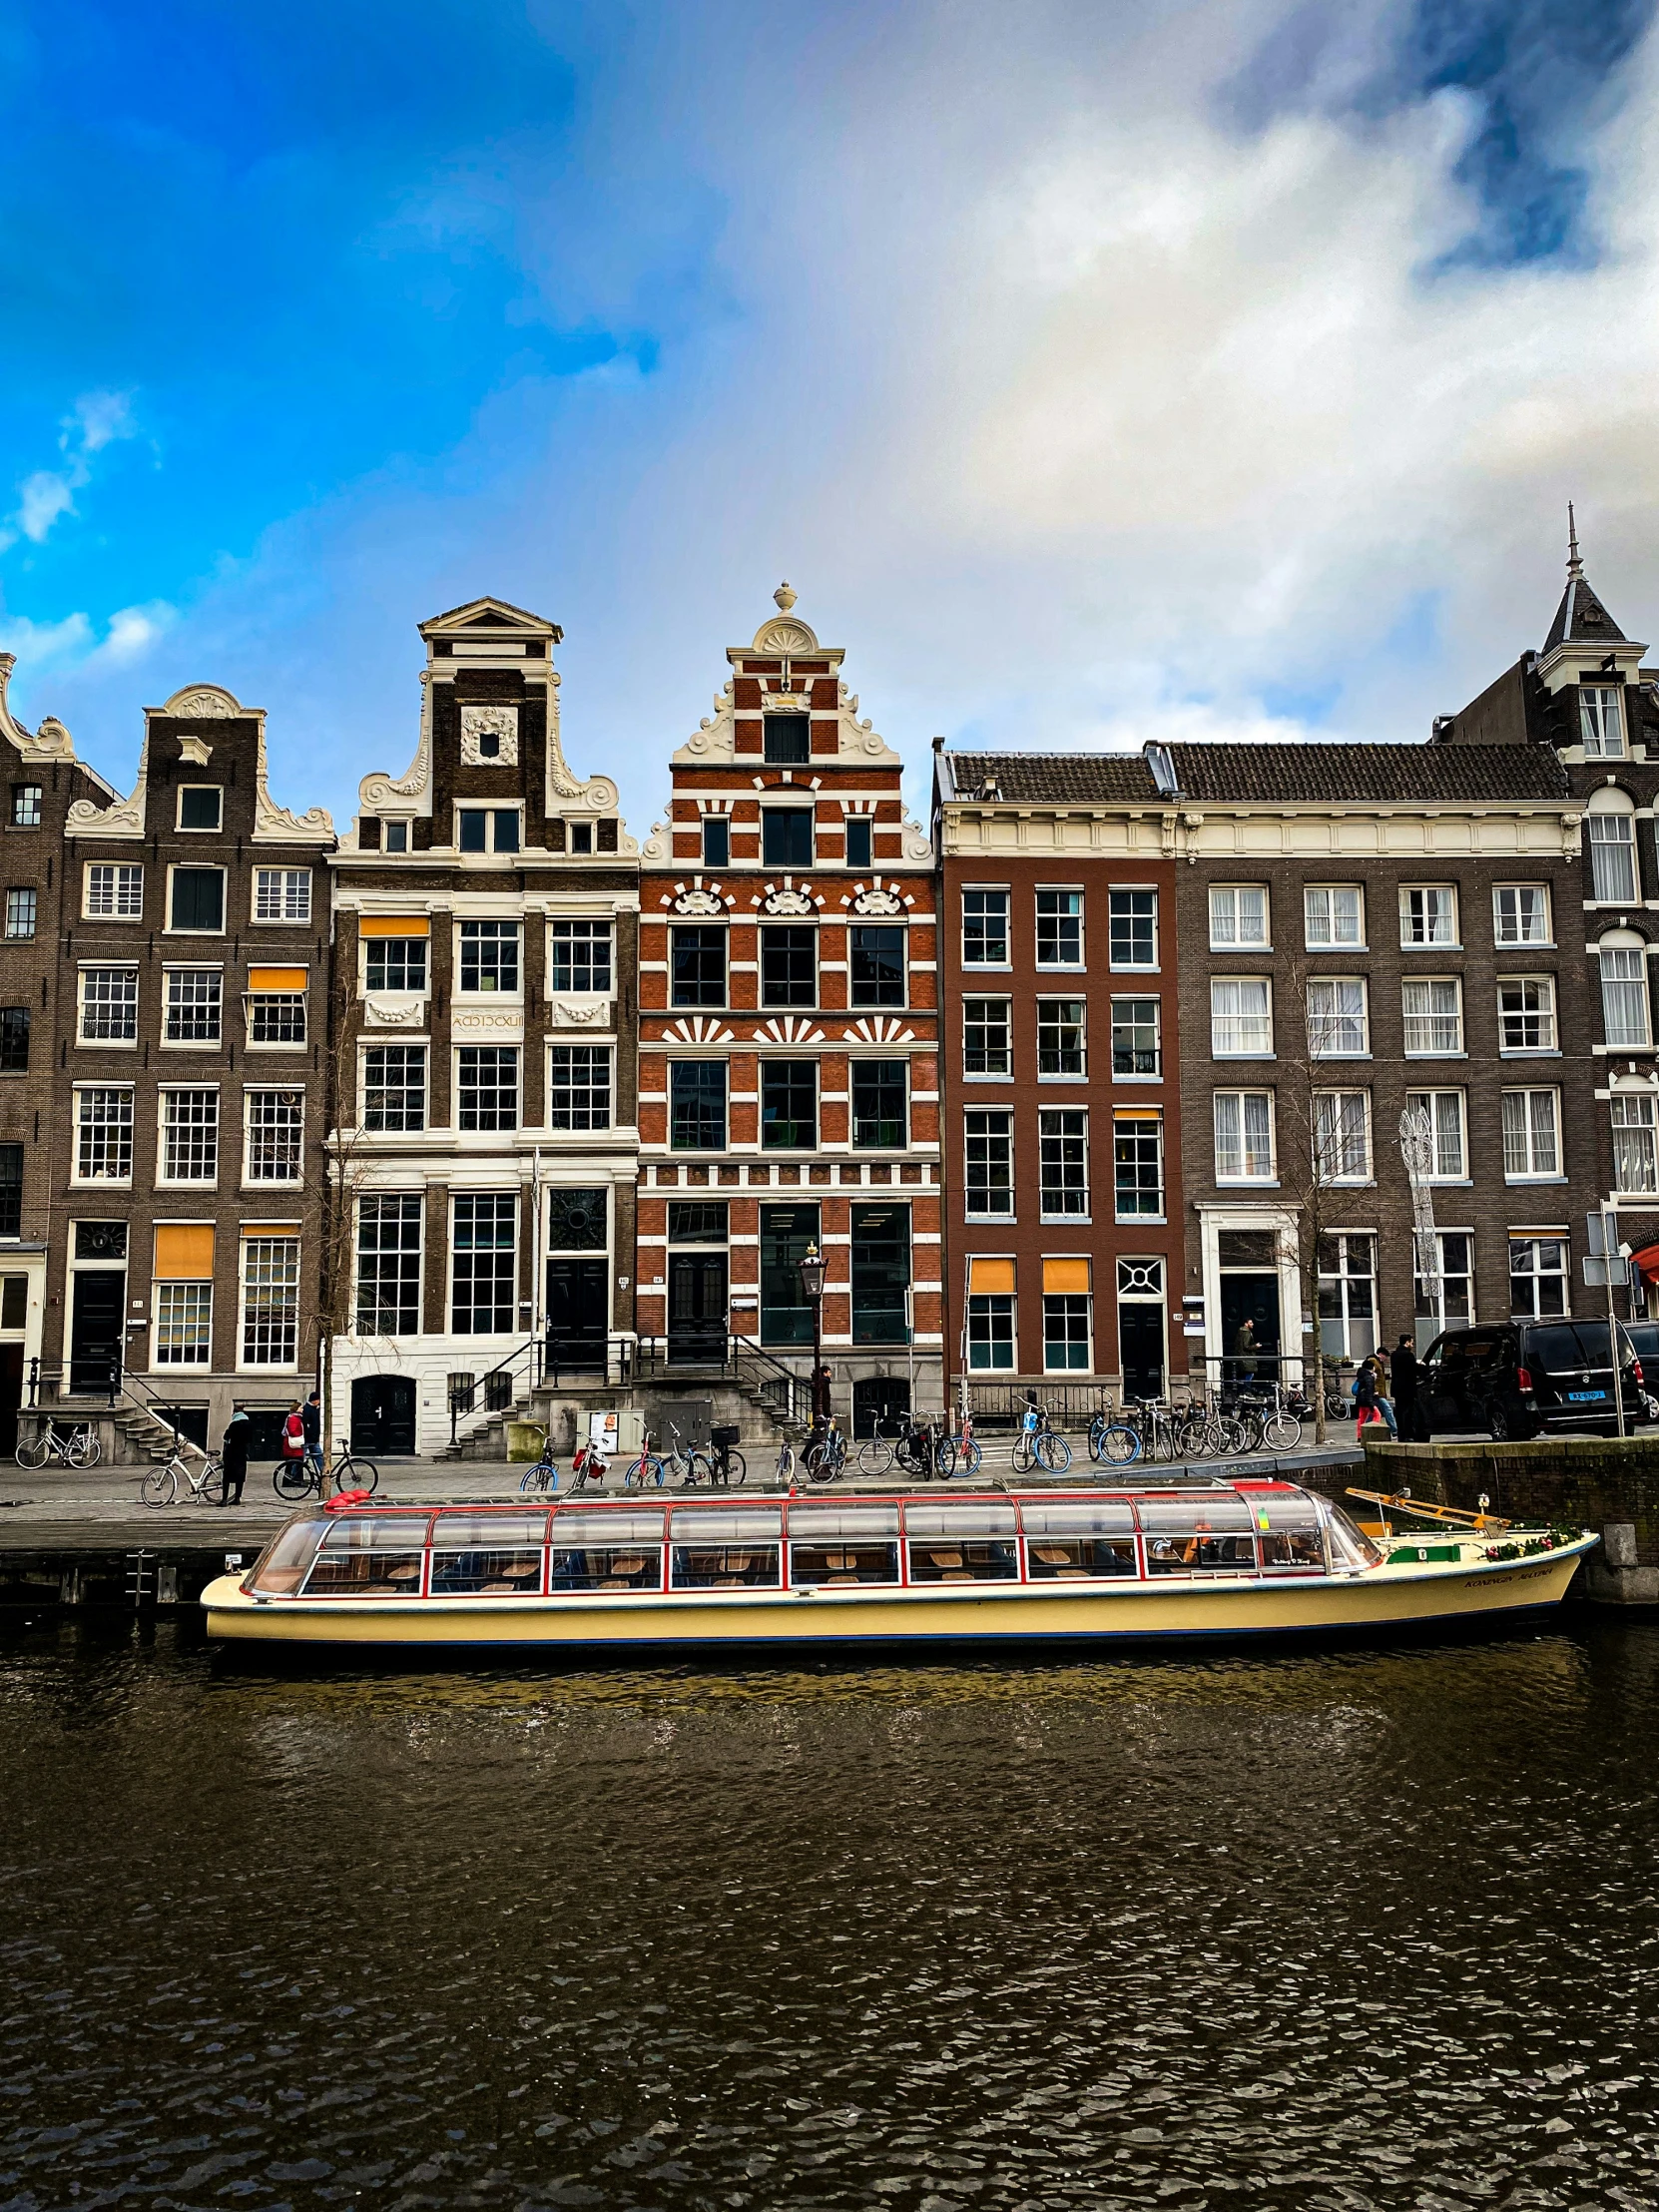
677 1359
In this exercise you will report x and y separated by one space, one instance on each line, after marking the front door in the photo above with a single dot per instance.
98 1310
383 1415
696 1309
1252 1298
1141 1347
880 1405
576 1313
11 1394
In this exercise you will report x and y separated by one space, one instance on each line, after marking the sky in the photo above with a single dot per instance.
1190 368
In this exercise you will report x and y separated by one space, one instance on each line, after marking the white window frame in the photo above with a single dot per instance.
120 889
1622 991
1512 1021
423 1046
122 1093
970 1136
284 878
1602 818
166 1128
1229 1024
287 1092
490 808
1409 940
1501 935
173 969
989 890
126 968
198 829
1054 963
1538 1168
199 1322
988 1075
1432 1103
1440 1313
1635 1115
1329 1040
1601 721
1414 984
1229 1117
1331 941
197 867
602 1054
1139 998
1133 967
1078 1074
1333 1118
1050 1133
1534 1241
287 1251
1227 919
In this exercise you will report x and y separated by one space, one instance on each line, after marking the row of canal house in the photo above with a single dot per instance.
1041 1082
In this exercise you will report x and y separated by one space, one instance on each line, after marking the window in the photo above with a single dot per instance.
270 1302
396 837
197 899
395 1087
1138 1159
113 893
394 964
787 836
1336 1019
1635 1161
276 1125
184 1324
109 1005
1600 721
1067 1333
786 1234
388 1265
1531 1135
26 799
1238 916
1521 913
880 1110
876 967
194 1005
989 1161
698 957
579 1086
189 1136
1428 914
11 1212
14 1040
1537 1278
20 916
1449 1298
880 1273
1241 1017
1334 915
102 1135
1445 1113
1061 1037
789 967
787 740
1342 1136
281 895
984 928
990 1331
1433 1018
1132 932
1348 1294
696 1105
489 956
788 1105
1059 928
484 1295
717 841
1625 1019
987 1048
581 837
1063 1163
275 1017
1526 1014
1135 1040
1243 1136
579 1220
579 956
487 828
860 841
1612 859
201 805
487 1086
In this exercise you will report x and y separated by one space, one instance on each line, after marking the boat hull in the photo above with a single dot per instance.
1379 1602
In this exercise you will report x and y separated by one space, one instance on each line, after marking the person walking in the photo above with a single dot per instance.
1404 1370
233 1457
1244 1352
293 1433
1365 1395
822 1408
311 1418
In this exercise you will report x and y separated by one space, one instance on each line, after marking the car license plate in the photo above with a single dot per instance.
1581 1398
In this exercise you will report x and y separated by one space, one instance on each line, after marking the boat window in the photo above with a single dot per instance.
1292 1537
1350 1547
1075 1542
280 1567
607 1551
962 1543
378 1557
853 1543
721 1550
1209 1533
487 1554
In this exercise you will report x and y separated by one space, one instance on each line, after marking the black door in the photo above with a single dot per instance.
11 1394
383 1415
696 1315
576 1311
1141 1347
880 1405
95 1328
1253 1298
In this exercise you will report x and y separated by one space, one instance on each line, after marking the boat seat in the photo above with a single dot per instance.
499 1590
946 1559
628 1564
1053 1555
958 1575
522 1572
614 1585
727 1582
737 1561
408 1573
841 1578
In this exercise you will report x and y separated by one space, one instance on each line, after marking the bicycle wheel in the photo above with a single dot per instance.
158 1486
356 1474
1120 1444
784 1470
292 1479
32 1453
1053 1452
945 1459
875 1457
646 1469
211 1490
83 1448
970 1456
822 1467
1282 1432
1097 1431
700 1468
1023 1453
737 1469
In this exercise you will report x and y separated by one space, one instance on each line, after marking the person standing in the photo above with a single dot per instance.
311 1422
1244 1352
233 1457
293 1436
821 1393
1404 1366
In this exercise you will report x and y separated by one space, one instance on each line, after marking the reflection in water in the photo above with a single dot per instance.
1329 1932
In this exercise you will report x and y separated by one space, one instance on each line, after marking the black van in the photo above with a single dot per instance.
1527 1379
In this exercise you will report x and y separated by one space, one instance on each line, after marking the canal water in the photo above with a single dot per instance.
1316 1930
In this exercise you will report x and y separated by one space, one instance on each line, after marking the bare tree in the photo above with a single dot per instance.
348 1166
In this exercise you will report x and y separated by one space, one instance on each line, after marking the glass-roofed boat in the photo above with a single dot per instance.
1130 1564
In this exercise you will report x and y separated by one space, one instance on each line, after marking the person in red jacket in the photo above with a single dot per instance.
293 1433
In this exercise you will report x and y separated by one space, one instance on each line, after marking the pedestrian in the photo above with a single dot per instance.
1404 1369
1365 1395
1244 1352
294 1434
311 1420
233 1457
1384 1404
822 1408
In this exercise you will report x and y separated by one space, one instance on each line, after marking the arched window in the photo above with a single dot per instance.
1626 1019
1612 848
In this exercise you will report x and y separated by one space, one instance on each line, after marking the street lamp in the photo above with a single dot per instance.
812 1282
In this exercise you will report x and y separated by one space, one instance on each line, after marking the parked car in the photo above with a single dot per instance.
1529 1378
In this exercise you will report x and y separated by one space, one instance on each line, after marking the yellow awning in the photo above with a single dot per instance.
394 925
1137 1113
1063 1277
991 1278
184 1252
271 1229
276 979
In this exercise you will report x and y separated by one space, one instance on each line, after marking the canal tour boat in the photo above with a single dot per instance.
604 1576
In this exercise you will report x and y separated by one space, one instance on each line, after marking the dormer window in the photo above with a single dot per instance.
201 805
396 835
1601 721
788 739
581 836
860 840
487 828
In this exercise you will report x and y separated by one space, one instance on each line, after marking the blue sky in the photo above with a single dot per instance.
1092 371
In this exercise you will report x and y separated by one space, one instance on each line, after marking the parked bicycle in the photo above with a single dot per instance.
160 1485
1040 1445
725 1462
296 1478
71 1447
646 1471
783 1472
544 1475
825 1455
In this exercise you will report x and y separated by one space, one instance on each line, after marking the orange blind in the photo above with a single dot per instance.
991 1278
1137 1113
276 979
1063 1276
184 1252
271 1229
394 925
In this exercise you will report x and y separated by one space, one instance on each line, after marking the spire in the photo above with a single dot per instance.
1575 567
1580 620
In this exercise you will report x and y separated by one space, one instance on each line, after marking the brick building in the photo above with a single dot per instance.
789 1087
1064 1257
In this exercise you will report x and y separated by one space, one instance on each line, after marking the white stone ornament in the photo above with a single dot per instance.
877 901
700 902
489 737
789 902
380 1013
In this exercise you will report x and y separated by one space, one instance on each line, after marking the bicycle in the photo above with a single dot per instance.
726 1464
645 1470
783 1472
303 1477
75 1447
685 1464
826 1458
160 1485
1039 1445
544 1475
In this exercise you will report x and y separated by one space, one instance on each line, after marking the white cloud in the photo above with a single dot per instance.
42 498
132 631
98 419
46 644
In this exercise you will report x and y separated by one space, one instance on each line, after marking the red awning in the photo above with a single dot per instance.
1647 1260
